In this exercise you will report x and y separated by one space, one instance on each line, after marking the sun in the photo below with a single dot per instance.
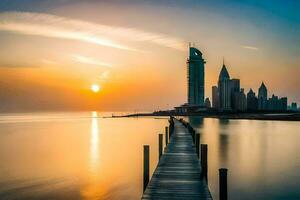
95 88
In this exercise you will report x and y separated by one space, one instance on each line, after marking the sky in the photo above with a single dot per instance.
53 51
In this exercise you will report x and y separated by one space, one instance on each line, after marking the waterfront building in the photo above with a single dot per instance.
277 104
252 102
235 91
235 85
195 64
262 97
207 103
215 97
240 100
224 85
273 103
294 106
283 103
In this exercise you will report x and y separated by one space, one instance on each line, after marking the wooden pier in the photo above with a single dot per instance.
179 173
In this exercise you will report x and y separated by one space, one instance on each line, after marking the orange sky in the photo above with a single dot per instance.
50 57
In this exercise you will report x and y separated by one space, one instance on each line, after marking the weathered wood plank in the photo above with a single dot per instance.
178 174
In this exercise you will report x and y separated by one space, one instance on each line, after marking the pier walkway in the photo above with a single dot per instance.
178 173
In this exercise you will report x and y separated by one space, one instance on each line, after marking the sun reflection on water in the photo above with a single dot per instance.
92 189
94 143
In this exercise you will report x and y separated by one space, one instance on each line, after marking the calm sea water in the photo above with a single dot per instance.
84 156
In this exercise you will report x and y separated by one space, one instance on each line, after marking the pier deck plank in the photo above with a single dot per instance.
177 175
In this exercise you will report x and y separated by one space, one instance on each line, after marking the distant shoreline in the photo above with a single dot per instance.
234 116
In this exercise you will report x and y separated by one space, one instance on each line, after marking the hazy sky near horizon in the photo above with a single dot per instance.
52 51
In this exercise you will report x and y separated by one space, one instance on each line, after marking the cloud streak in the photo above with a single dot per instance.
90 61
250 47
16 66
53 26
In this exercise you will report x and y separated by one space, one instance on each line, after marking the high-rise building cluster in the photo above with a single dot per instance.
228 96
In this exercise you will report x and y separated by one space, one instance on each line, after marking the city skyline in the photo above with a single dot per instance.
229 95
54 52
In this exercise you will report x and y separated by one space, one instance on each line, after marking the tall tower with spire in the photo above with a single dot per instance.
262 97
224 86
196 74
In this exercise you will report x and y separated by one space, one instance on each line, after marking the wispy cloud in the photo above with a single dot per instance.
54 26
16 66
90 61
65 28
250 47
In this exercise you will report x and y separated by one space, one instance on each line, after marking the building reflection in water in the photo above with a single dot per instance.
196 121
223 141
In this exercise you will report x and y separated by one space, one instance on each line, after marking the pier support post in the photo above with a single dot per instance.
204 161
160 145
198 144
146 166
186 124
193 135
223 184
168 135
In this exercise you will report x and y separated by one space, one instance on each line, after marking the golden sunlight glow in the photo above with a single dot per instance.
94 141
95 88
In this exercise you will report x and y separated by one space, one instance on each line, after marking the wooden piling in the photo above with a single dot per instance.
167 136
204 161
146 166
197 143
193 135
223 184
160 145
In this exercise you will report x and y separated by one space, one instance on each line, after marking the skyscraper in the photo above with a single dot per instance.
207 103
294 106
251 101
215 97
235 90
273 103
277 104
195 70
283 103
235 85
240 101
262 97
224 85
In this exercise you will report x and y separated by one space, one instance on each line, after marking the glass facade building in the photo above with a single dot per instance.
196 74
